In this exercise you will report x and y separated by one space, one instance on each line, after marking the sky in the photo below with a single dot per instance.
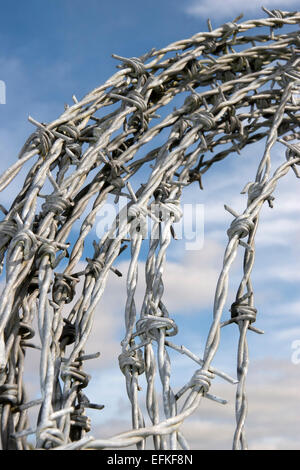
53 49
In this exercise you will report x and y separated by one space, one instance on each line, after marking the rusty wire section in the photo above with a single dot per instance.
241 88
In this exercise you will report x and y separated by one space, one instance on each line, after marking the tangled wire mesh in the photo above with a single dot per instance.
235 97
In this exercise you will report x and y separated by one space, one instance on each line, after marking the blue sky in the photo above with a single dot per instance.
53 49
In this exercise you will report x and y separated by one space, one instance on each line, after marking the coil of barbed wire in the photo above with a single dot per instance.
253 95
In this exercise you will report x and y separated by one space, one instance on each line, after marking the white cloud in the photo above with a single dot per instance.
288 334
278 230
286 271
212 426
229 9
273 415
189 282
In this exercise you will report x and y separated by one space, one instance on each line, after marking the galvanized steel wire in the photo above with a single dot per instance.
235 98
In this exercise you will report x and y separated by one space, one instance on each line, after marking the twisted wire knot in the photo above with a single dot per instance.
27 239
240 226
255 190
63 288
9 394
94 267
179 128
274 14
203 118
150 324
139 121
112 172
79 423
161 193
192 102
139 220
210 45
191 69
170 208
233 124
135 211
229 28
134 360
137 66
292 153
42 139
202 378
135 98
69 130
240 312
56 203
47 249
76 375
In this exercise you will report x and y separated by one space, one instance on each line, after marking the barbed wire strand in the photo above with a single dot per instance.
232 98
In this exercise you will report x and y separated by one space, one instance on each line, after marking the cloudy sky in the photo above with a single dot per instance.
53 49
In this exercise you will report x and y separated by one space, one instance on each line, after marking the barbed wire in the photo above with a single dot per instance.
235 98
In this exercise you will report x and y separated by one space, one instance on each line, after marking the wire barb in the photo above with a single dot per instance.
235 90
